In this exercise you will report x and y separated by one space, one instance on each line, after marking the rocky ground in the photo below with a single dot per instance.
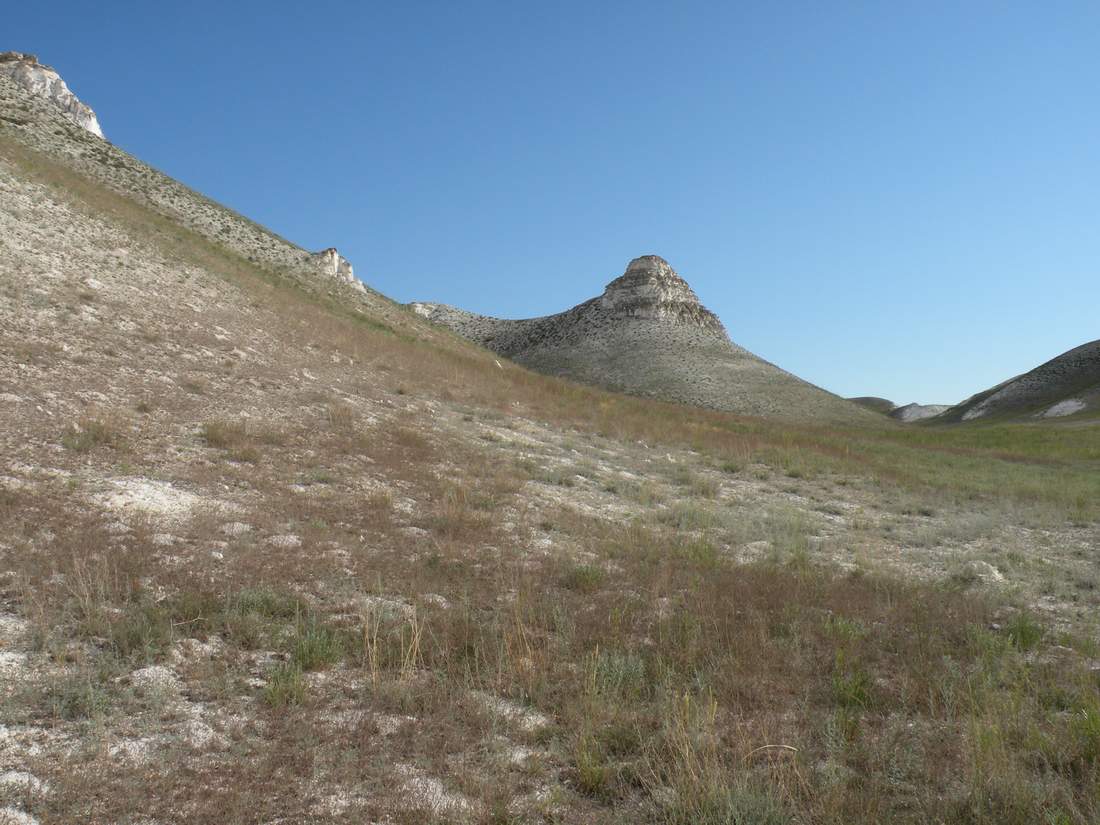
267 556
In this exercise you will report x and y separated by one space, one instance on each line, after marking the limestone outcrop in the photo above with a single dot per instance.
648 334
334 265
43 81
651 289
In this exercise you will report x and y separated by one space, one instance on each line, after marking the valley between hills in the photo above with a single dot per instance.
276 549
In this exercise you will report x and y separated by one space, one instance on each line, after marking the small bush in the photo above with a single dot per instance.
89 433
285 686
268 602
77 697
852 685
315 645
688 516
734 804
1085 725
224 434
594 774
1024 632
615 673
584 578
141 633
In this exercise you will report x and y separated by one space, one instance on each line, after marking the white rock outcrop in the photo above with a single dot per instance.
1067 407
333 264
44 81
651 289
918 412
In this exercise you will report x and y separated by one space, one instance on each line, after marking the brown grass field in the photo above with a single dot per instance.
287 561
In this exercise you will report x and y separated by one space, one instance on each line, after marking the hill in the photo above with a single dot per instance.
649 335
1066 386
906 413
874 403
918 412
332 564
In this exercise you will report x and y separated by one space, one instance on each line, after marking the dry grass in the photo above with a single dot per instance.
684 687
91 432
672 683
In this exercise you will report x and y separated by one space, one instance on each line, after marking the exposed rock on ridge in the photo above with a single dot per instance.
906 413
918 412
34 122
333 264
649 335
650 288
45 82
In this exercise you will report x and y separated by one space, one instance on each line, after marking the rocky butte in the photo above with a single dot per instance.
648 334
45 82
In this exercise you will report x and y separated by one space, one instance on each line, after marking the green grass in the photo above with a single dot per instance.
285 686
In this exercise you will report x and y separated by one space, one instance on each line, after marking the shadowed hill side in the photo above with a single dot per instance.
1068 385
874 403
649 335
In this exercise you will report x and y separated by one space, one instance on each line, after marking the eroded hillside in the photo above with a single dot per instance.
276 550
1064 387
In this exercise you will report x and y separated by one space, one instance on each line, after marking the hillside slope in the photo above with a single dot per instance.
34 122
905 413
649 335
332 564
1068 385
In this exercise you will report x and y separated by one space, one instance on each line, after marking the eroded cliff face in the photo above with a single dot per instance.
650 288
45 82
335 265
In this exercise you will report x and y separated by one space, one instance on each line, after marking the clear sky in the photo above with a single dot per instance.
897 199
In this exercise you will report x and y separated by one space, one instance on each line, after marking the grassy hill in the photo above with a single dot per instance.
879 405
649 335
1066 387
332 563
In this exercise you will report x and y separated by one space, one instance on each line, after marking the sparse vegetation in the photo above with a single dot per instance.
89 433
557 624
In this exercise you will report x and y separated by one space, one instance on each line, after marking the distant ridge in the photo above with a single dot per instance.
1068 385
874 403
906 413
918 412
648 334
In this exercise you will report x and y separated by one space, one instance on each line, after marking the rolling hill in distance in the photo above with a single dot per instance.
649 335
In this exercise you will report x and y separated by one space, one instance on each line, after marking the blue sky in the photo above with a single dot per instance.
899 199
